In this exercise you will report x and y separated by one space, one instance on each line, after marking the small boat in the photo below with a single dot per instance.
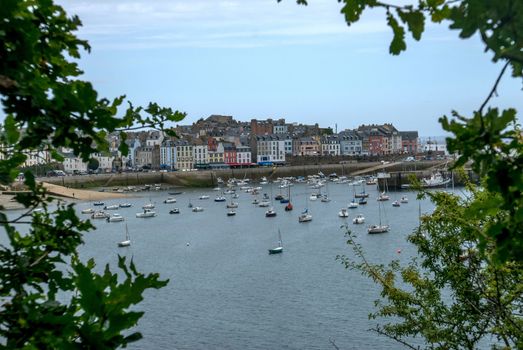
378 229
383 197
231 213
279 248
313 197
343 213
112 207
288 207
278 197
115 218
305 217
148 206
362 201
361 195
264 204
170 200
284 200
270 213
396 204
99 214
404 199
232 205
372 181
190 205
197 209
125 205
353 205
175 193
127 241
325 199
216 189
236 196
266 196
98 203
255 201
88 211
147 213
220 199
204 196
174 211
359 219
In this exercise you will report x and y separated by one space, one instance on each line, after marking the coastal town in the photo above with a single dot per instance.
221 142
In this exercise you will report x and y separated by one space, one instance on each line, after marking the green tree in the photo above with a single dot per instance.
464 288
48 106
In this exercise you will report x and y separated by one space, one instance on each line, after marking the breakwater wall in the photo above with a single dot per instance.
208 178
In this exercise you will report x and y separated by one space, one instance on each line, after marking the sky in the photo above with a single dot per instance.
262 59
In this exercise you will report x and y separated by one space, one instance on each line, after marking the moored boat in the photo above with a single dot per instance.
115 218
147 213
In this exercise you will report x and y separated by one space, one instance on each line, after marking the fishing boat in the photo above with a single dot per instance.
220 199
197 209
115 218
170 200
359 219
88 211
231 212
112 207
175 193
404 199
383 197
396 204
98 203
372 181
125 205
147 213
343 213
174 211
435 180
99 214
204 196
127 241
278 249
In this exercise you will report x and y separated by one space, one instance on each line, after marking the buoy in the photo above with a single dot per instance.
398 251
187 243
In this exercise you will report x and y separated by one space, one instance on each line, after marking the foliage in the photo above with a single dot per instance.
50 298
93 164
450 295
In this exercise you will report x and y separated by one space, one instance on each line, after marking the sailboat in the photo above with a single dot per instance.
381 228
325 198
305 216
353 204
288 207
279 248
271 212
362 194
127 241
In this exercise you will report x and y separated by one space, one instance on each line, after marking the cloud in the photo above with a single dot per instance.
138 24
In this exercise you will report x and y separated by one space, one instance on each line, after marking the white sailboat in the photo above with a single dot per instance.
380 228
127 241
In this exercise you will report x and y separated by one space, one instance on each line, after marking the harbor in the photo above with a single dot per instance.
227 291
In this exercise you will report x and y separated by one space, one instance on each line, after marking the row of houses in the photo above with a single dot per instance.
221 141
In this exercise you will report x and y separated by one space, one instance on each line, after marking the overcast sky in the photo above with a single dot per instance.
260 59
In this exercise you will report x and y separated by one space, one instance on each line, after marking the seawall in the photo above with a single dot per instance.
208 178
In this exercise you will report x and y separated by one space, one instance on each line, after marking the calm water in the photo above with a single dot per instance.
227 292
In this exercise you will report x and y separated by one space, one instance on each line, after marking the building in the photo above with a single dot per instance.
144 157
350 143
306 146
330 145
73 164
105 162
184 155
168 155
200 154
243 155
409 142
271 149
229 153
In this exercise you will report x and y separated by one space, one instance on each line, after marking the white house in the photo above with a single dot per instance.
271 148
243 154
184 155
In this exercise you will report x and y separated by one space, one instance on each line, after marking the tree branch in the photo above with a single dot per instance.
494 88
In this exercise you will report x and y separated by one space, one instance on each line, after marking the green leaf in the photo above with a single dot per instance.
397 44
11 130
415 21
